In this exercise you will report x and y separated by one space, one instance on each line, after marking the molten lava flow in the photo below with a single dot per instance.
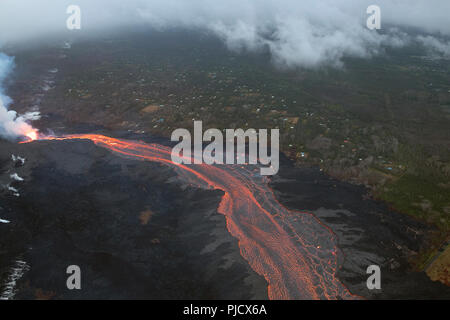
29 133
32 135
294 251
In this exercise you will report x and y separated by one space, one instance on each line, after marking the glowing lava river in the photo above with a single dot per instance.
293 251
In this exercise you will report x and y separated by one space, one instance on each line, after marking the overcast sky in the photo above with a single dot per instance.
305 33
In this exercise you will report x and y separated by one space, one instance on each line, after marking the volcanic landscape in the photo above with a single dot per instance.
97 189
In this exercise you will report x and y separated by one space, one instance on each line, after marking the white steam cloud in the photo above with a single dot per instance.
298 33
11 124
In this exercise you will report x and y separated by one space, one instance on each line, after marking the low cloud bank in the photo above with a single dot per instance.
307 33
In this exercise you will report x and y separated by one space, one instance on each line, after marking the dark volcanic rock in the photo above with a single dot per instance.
133 234
368 233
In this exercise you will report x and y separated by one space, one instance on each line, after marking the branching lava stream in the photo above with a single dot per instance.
294 251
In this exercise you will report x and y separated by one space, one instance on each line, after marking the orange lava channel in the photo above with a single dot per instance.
293 251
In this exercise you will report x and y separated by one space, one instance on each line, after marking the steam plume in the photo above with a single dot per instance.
12 125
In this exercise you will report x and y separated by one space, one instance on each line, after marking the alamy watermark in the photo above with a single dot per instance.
374 20
74 280
236 151
374 280
73 22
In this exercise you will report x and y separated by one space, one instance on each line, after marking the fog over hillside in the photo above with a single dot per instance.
306 33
